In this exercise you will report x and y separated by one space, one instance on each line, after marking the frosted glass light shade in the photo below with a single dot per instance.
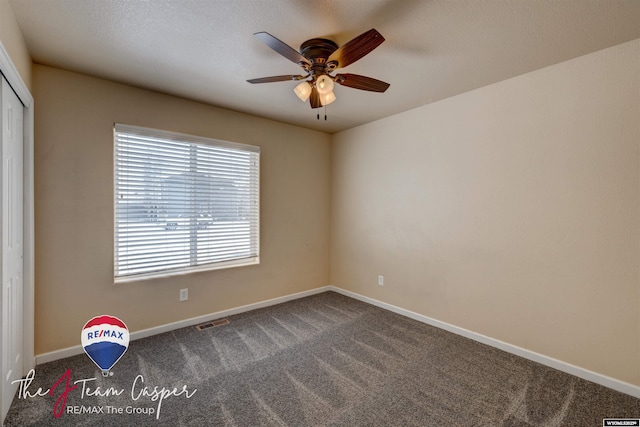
324 84
303 91
327 98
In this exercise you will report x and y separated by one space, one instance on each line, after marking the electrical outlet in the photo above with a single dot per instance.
381 280
184 294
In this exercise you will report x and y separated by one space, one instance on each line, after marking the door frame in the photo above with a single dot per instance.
11 74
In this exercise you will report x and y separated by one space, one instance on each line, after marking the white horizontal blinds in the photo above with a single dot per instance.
183 202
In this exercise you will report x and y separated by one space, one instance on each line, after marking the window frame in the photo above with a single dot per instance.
190 139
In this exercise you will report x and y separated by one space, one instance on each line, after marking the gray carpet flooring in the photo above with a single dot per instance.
324 360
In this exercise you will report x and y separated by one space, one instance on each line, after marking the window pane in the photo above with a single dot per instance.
183 201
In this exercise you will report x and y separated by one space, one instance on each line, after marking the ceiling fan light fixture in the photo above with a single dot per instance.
303 91
324 85
327 98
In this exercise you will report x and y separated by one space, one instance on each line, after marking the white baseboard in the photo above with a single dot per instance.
75 350
577 371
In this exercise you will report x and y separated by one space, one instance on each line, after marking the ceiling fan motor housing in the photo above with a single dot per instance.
317 51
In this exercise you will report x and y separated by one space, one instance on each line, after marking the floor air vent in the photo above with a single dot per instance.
212 324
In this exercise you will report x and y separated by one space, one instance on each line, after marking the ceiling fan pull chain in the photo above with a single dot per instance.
325 113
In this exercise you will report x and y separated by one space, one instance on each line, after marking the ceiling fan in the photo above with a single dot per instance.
320 58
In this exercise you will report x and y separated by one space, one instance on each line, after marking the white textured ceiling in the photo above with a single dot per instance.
204 49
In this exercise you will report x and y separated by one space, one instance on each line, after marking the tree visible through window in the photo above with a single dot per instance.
183 202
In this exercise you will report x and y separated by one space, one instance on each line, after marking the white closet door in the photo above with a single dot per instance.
12 243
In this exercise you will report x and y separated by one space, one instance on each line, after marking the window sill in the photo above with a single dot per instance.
185 271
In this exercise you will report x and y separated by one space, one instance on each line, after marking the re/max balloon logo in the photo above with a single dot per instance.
105 339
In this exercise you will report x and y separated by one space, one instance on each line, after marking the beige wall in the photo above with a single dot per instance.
74 208
14 43
511 211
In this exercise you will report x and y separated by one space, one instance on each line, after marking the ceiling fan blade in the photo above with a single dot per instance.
276 79
282 48
357 81
314 99
355 49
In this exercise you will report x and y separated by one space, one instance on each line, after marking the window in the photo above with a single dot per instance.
183 203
